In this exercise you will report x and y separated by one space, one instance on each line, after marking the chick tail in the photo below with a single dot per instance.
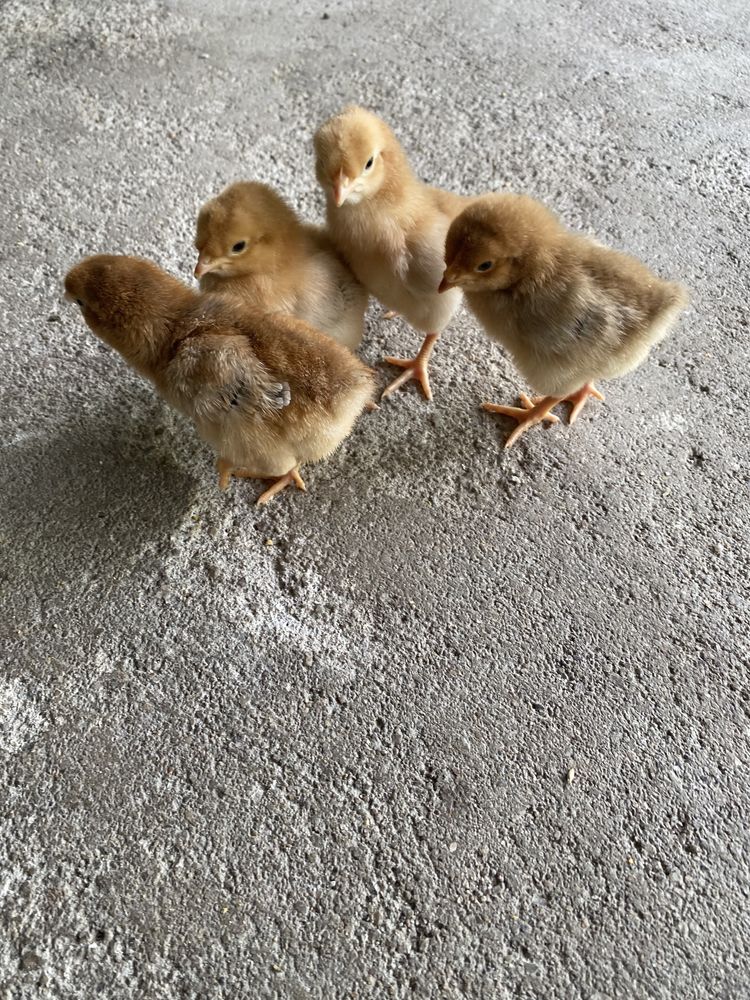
680 295
414 368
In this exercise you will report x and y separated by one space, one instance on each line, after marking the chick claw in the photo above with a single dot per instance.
226 470
529 413
578 399
416 368
281 484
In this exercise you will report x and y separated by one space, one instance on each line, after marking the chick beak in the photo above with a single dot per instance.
445 284
202 267
340 189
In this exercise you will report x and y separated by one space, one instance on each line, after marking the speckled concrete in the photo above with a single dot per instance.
456 723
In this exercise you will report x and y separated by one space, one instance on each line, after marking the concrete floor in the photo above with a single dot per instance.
321 750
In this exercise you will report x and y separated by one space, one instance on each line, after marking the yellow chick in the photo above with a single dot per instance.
266 391
251 244
569 310
389 226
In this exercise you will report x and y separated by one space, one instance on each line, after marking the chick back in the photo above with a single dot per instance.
596 318
267 391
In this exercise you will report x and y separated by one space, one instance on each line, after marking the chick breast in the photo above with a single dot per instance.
332 300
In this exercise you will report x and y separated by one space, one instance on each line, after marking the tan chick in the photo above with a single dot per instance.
251 244
389 226
267 392
569 311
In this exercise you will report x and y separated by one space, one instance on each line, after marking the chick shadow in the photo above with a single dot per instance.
85 503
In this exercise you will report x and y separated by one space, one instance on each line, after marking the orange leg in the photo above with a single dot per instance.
578 399
227 470
529 413
532 411
291 477
415 368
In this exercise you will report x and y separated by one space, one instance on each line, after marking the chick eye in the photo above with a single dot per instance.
79 303
368 165
239 247
484 266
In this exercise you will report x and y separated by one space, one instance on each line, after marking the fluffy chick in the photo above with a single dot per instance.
251 244
267 392
389 226
569 310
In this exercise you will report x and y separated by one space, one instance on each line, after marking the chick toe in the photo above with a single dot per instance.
291 477
578 399
414 368
529 413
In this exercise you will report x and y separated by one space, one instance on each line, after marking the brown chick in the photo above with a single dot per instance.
251 244
389 226
569 310
267 392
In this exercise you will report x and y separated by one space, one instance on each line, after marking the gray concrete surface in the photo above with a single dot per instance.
320 750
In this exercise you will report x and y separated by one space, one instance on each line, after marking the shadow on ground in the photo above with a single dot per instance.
84 503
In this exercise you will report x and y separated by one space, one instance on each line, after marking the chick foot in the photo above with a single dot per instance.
292 477
415 368
530 412
578 399
226 470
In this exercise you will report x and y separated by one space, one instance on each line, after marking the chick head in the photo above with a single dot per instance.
498 241
242 231
118 296
349 160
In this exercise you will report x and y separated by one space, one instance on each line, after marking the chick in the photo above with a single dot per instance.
267 392
389 226
252 245
569 310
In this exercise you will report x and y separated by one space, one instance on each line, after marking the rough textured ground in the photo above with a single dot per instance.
321 750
